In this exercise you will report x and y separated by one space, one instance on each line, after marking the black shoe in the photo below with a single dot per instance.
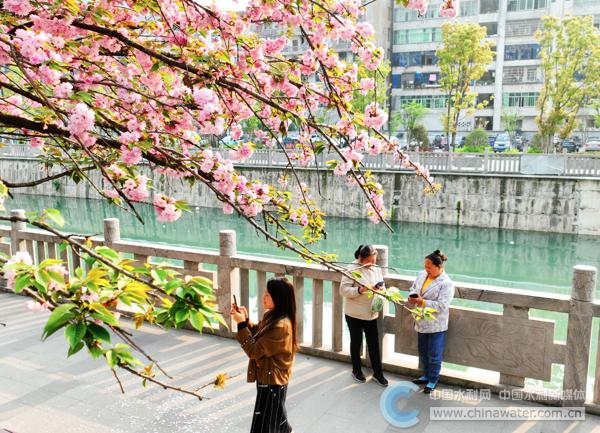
359 377
420 381
429 389
380 380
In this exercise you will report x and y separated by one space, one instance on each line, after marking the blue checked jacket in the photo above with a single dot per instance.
438 295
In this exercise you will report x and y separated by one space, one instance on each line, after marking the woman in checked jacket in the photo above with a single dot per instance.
270 345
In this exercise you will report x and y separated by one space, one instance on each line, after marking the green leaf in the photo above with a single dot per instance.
54 216
74 333
61 315
22 282
99 332
357 275
50 262
197 320
62 246
182 315
74 350
108 253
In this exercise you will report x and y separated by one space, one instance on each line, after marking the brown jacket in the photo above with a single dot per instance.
270 352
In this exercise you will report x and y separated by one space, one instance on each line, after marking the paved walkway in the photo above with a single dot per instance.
41 391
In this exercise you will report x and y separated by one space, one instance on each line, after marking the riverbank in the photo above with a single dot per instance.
519 202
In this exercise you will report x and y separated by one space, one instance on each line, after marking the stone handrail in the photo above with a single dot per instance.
509 343
575 164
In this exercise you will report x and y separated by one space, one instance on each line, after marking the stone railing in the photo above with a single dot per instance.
484 163
507 346
578 165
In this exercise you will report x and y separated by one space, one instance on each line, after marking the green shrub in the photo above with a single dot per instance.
419 135
475 142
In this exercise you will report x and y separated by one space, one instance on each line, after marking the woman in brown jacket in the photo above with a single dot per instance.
270 345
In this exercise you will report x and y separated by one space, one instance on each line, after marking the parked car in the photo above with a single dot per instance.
569 145
592 145
491 139
501 143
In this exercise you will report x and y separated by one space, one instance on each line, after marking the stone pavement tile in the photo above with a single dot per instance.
54 421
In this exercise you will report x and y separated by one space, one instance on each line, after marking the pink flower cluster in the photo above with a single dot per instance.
81 122
21 257
136 189
131 156
449 8
375 117
166 209
242 153
36 307
18 7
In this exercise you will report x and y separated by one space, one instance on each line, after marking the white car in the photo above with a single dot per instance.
592 145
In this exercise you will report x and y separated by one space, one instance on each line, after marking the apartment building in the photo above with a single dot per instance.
512 83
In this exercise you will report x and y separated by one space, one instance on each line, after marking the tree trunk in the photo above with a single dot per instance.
547 144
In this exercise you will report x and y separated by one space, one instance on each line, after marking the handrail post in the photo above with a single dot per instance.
382 261
579 334
17 244
227 279
112 231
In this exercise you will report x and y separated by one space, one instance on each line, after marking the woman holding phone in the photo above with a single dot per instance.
361 312
433 289
271 345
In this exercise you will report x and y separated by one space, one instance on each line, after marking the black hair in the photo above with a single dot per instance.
282 293
364 251
437 258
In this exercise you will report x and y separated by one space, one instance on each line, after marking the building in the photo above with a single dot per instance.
512 82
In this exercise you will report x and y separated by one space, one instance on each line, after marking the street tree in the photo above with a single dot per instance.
570 60
463 58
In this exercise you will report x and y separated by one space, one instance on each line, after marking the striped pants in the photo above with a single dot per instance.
270 415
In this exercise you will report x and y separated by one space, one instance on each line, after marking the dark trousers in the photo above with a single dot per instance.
431 349
270 415
369 327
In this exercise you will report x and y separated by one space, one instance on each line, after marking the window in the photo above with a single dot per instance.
525 99
414 58
517 75
488 6
487 79
396 79
521 52
484 122
428 101
418 36
522 28
402 14
481 97
492 28
597 21
468 8
526 5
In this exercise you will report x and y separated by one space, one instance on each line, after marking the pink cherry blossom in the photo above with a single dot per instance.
131 156
366 84
81 120
36 307
18 7
449 8
166 209
375 117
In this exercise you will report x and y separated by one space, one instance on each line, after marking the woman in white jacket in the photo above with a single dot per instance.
360 316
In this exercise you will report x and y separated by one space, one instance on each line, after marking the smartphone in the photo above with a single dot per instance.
235 305
380 284
413 295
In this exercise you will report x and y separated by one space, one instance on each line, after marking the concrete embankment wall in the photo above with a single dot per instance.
555 204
